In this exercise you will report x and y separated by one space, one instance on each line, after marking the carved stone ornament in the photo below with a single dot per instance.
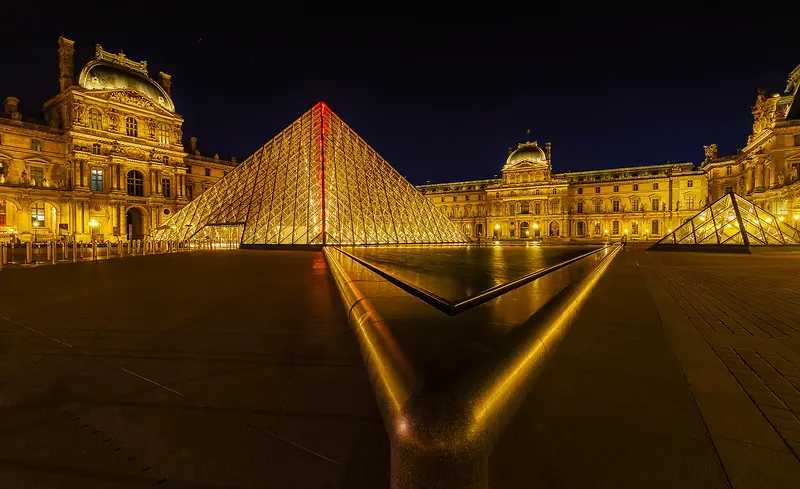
151 127
77 112
120 59
711 151
131 97
113 120
178 134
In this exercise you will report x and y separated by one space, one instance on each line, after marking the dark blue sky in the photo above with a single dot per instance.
441 94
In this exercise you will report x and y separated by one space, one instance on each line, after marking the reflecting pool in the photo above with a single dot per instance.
457 272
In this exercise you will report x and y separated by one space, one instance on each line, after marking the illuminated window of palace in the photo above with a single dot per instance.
580 191
635 205
135 183
525 207
655 186
2 212
689 183
95 119
654 227
689 202
165 187
635 227
37 174
615 206
635 187
597 205
580 229
208 174
37 214
163 135
36 145
96 148
580 207
615 227
131 127
97 180
553 207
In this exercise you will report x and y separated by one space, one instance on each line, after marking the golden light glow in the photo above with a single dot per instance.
768 220
36 223
626 231
780 219
669 230
93 223
497 226
796 217
535 226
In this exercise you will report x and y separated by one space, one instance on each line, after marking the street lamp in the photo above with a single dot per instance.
93 224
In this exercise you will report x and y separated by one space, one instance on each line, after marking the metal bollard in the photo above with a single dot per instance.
4 258
49 251
94 249
121 249
28 252
74 251
53 253
108 250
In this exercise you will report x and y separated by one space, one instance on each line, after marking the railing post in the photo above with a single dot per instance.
74 251
28 252
53 251
108 250
94 249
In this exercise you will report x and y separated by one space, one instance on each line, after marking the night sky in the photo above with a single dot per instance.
441 95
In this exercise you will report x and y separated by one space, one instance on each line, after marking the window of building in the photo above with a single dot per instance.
537 207
536 192
512 209
188 192
442 199
655 203
635 227
131 127
728 171
616 188
455 198
96 148
655 186
615 206
654 227
37 174
635 205
728 189
597 190
2 212
579 228
580 191
95 119
166 160
615 227
597 205
480 196
553 207
165 187
555 191
163 135
97 180
635 187
208 174
580 207
597 227
135 183
689 183
796 142
525 207
189 171
466 197
689 202
36 145
37 214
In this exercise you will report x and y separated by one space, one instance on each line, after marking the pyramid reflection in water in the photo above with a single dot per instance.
317 182
730 221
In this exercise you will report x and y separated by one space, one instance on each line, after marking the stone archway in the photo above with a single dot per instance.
134 223
555 229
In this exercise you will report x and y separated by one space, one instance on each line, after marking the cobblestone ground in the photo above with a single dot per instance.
745 309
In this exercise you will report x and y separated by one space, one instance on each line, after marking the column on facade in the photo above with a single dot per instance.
759 183
158 182
112 170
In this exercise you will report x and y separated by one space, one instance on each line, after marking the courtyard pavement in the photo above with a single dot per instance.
238 369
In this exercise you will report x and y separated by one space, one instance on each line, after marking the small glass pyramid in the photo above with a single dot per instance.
315 183
731 220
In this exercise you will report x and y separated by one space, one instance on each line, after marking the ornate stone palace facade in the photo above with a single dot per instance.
107 161
646 202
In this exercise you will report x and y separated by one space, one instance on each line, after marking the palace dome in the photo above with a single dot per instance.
103 75
526 153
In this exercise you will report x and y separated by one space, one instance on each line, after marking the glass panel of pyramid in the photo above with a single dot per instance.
732 220
317 182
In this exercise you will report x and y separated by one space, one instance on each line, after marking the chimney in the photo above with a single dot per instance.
193 145
166 82
66 61
10 105
233 159
547 150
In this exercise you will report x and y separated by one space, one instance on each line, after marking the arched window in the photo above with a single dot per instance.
95 119
555 229
135 183
597 228
512 209
580 228
131 127
555 191
479 229
524 207
635 227
524 230
615 227
163 135
37 214
553 207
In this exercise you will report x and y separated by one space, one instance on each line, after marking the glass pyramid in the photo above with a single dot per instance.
731 220
317 182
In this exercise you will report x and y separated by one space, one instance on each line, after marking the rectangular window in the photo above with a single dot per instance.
37 175
580 191
580 207
537 207
615 206
442 199
616 188
728 189
655 186
165 187
455 198
163 135
635 187
656 205
36 145
634 227
466 197
689 182
208 172
131 127
654 227
553 207
597 205
2 212
37 214
97 180
525 207
188 169
480 196
635 206
597 190
728 171
689 203
615 227
512 209
96 148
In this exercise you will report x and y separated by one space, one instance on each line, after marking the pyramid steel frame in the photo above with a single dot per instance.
315 183
731 223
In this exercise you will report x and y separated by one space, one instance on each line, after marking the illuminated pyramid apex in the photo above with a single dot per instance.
317 182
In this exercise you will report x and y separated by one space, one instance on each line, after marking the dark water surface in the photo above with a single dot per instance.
458 272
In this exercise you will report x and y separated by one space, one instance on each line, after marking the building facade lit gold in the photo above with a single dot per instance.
107 160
